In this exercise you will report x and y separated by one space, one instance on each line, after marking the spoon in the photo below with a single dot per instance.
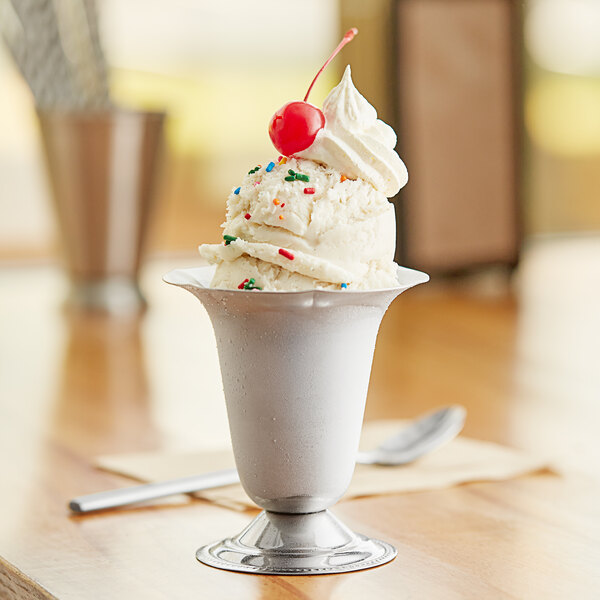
411 442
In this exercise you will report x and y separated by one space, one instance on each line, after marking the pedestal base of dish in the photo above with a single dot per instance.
296 544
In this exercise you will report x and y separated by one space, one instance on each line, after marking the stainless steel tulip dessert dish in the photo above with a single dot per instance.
295 294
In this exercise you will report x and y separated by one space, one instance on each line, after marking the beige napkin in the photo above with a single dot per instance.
462 460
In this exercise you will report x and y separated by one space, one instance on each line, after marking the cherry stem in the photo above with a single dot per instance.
348 37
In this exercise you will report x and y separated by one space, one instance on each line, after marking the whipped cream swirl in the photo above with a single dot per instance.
356 142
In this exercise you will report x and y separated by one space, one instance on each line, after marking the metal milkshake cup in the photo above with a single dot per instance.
102 167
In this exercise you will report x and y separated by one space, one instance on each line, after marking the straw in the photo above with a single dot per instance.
56 46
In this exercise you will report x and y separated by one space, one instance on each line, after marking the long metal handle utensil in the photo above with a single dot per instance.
149 491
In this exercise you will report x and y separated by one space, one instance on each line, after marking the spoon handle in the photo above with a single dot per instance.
149 491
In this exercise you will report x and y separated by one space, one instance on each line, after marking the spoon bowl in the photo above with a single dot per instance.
418 438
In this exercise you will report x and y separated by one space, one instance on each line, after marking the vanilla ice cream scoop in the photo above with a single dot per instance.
322 230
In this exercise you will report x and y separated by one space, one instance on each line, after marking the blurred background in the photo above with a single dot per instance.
220 70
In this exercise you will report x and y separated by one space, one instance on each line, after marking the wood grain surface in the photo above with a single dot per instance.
521 356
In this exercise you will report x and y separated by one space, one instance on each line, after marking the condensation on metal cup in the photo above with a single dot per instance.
295 369
102 168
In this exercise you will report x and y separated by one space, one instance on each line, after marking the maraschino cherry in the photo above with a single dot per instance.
295 125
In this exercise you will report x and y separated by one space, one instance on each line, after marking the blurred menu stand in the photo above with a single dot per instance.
446 74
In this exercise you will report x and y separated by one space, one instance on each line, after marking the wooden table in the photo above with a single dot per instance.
524 363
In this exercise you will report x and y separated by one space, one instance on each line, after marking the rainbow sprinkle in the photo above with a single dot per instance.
251 171
247 216
344 286
275 201
343 178
229 238
286 253
297 176
237 191
270 167
249 284
309 190
293 176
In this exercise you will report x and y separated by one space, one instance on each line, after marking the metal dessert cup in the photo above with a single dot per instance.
295 369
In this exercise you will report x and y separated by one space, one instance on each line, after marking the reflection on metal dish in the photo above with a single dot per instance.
296 544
